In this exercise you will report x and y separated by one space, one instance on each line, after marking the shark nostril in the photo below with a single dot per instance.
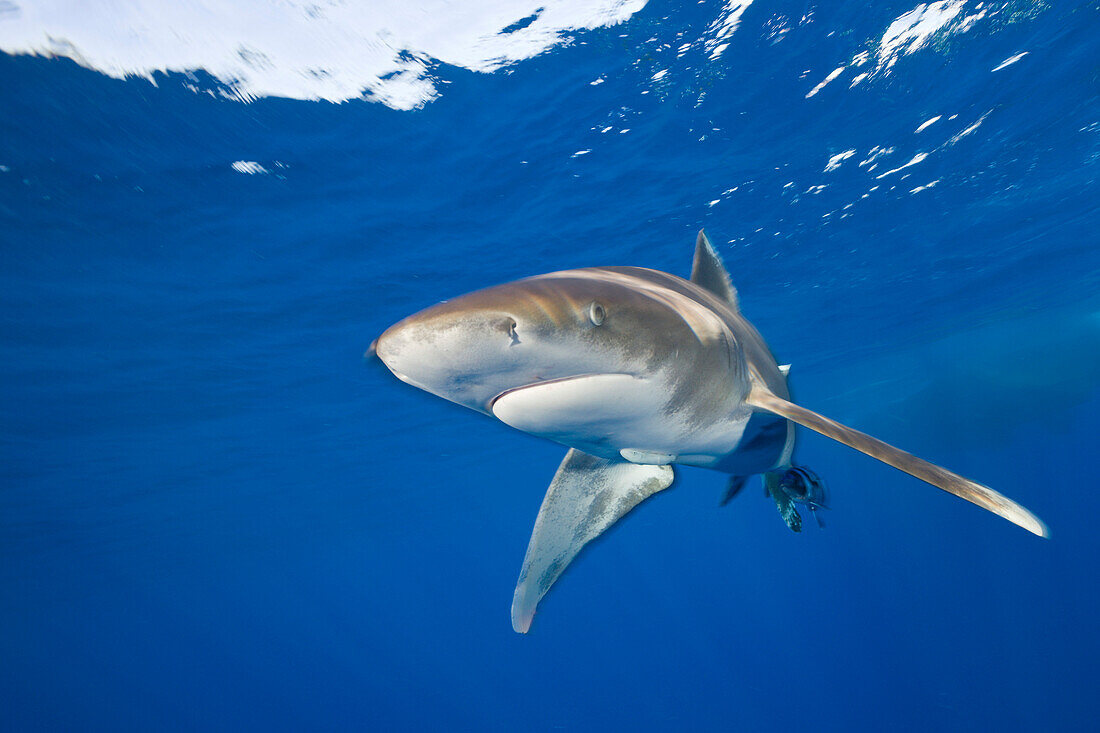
509 327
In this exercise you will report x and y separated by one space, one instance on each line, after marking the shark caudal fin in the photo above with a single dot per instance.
953 483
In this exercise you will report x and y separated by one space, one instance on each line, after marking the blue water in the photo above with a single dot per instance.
215 515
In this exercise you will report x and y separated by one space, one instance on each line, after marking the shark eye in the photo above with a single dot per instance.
596 314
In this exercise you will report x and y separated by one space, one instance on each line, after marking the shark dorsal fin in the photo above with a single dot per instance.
708 272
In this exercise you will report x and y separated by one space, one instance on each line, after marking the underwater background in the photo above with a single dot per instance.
215 514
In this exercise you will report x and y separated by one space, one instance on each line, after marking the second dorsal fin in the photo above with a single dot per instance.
707 271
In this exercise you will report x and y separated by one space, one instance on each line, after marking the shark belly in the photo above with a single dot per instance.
618 416
766 443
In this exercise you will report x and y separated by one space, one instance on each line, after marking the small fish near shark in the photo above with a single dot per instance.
633 370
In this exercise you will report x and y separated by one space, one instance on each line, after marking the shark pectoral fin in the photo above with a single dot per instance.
588 495
939 477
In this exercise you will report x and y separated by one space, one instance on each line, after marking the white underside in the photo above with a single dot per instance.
616 415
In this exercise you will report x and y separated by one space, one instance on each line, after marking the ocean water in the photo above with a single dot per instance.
215 514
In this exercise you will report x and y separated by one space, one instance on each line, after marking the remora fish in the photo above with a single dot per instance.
633 369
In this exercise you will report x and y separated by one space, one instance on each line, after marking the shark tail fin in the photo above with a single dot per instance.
985 497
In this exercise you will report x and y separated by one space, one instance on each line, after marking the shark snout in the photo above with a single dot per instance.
465 355
389 347
417 354
446 341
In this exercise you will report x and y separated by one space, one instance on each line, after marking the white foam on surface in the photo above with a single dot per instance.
836 160
913 161
382 50
832 75
724 26
968 21
1010 60
874 154
858 78
248 167
923 27
968 130
913 30
928 123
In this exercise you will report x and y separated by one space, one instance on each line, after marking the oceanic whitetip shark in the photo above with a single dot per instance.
634 370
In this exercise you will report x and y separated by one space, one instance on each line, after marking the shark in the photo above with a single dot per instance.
634 370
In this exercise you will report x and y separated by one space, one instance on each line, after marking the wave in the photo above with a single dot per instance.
384 51
391 51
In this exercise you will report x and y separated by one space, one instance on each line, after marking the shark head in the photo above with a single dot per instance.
574 356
